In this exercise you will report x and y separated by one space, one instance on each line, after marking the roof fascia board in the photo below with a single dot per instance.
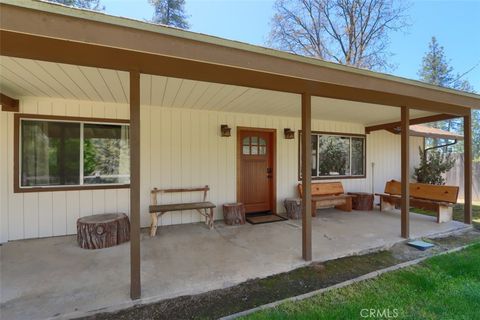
62 27
179 33
52 50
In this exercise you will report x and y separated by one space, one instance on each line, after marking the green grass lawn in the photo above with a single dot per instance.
457 213
442 287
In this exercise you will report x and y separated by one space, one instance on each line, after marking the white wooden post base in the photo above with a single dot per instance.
445 214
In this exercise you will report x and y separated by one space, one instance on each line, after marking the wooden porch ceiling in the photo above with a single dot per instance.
35 30
25 77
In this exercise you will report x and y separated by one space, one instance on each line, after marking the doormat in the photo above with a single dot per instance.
264 218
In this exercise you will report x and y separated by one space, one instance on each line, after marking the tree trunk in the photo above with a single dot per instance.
362 201
234 213
294 208
103 230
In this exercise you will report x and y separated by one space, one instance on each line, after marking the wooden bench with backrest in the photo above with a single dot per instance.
328 194
205 208
439 199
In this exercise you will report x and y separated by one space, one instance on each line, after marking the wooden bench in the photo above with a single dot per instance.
327 194
204 207
439 199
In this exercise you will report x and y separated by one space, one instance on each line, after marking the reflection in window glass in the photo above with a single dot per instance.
106 154
69 153
254 146
314 155
337 156
333 153
50 153
358 150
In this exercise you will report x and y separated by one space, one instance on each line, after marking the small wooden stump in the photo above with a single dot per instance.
103 230
362 201
293 207
234 213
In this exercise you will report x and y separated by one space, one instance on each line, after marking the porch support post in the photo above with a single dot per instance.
135 284
405 155
467 155
306 177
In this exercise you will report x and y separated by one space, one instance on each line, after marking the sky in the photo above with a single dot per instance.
455 23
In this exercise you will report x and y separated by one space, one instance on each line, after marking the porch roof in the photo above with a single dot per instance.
429 132
34 78
32 29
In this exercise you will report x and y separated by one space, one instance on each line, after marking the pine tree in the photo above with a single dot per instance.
476 134
170 13
84 4
436 70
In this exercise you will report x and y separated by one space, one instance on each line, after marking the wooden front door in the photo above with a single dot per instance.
256 169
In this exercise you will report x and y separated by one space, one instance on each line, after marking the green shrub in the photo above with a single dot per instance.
432 165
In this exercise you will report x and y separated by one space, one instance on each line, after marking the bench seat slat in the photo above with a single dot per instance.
340 196
179 190
181 206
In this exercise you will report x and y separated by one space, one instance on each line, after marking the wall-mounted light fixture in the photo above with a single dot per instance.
225 130
289 134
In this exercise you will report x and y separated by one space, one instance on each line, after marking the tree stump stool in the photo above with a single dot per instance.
103 230
234 213
362 201
293 207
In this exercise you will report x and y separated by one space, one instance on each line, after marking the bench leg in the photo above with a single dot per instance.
314 208
444 214
206 215
347 206
210 219
153 225
385 205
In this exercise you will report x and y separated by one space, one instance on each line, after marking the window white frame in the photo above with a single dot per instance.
81 121
317 164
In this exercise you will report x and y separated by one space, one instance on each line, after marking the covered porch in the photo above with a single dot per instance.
53 277
176 89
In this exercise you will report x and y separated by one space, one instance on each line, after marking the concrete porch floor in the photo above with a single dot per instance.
53 277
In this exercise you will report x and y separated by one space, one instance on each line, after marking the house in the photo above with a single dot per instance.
71 77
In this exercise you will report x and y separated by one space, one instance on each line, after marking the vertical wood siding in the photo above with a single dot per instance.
179 148
46 214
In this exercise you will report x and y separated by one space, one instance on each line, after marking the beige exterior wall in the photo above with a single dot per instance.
180 148
45 214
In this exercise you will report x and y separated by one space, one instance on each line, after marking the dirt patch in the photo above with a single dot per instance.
256 292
